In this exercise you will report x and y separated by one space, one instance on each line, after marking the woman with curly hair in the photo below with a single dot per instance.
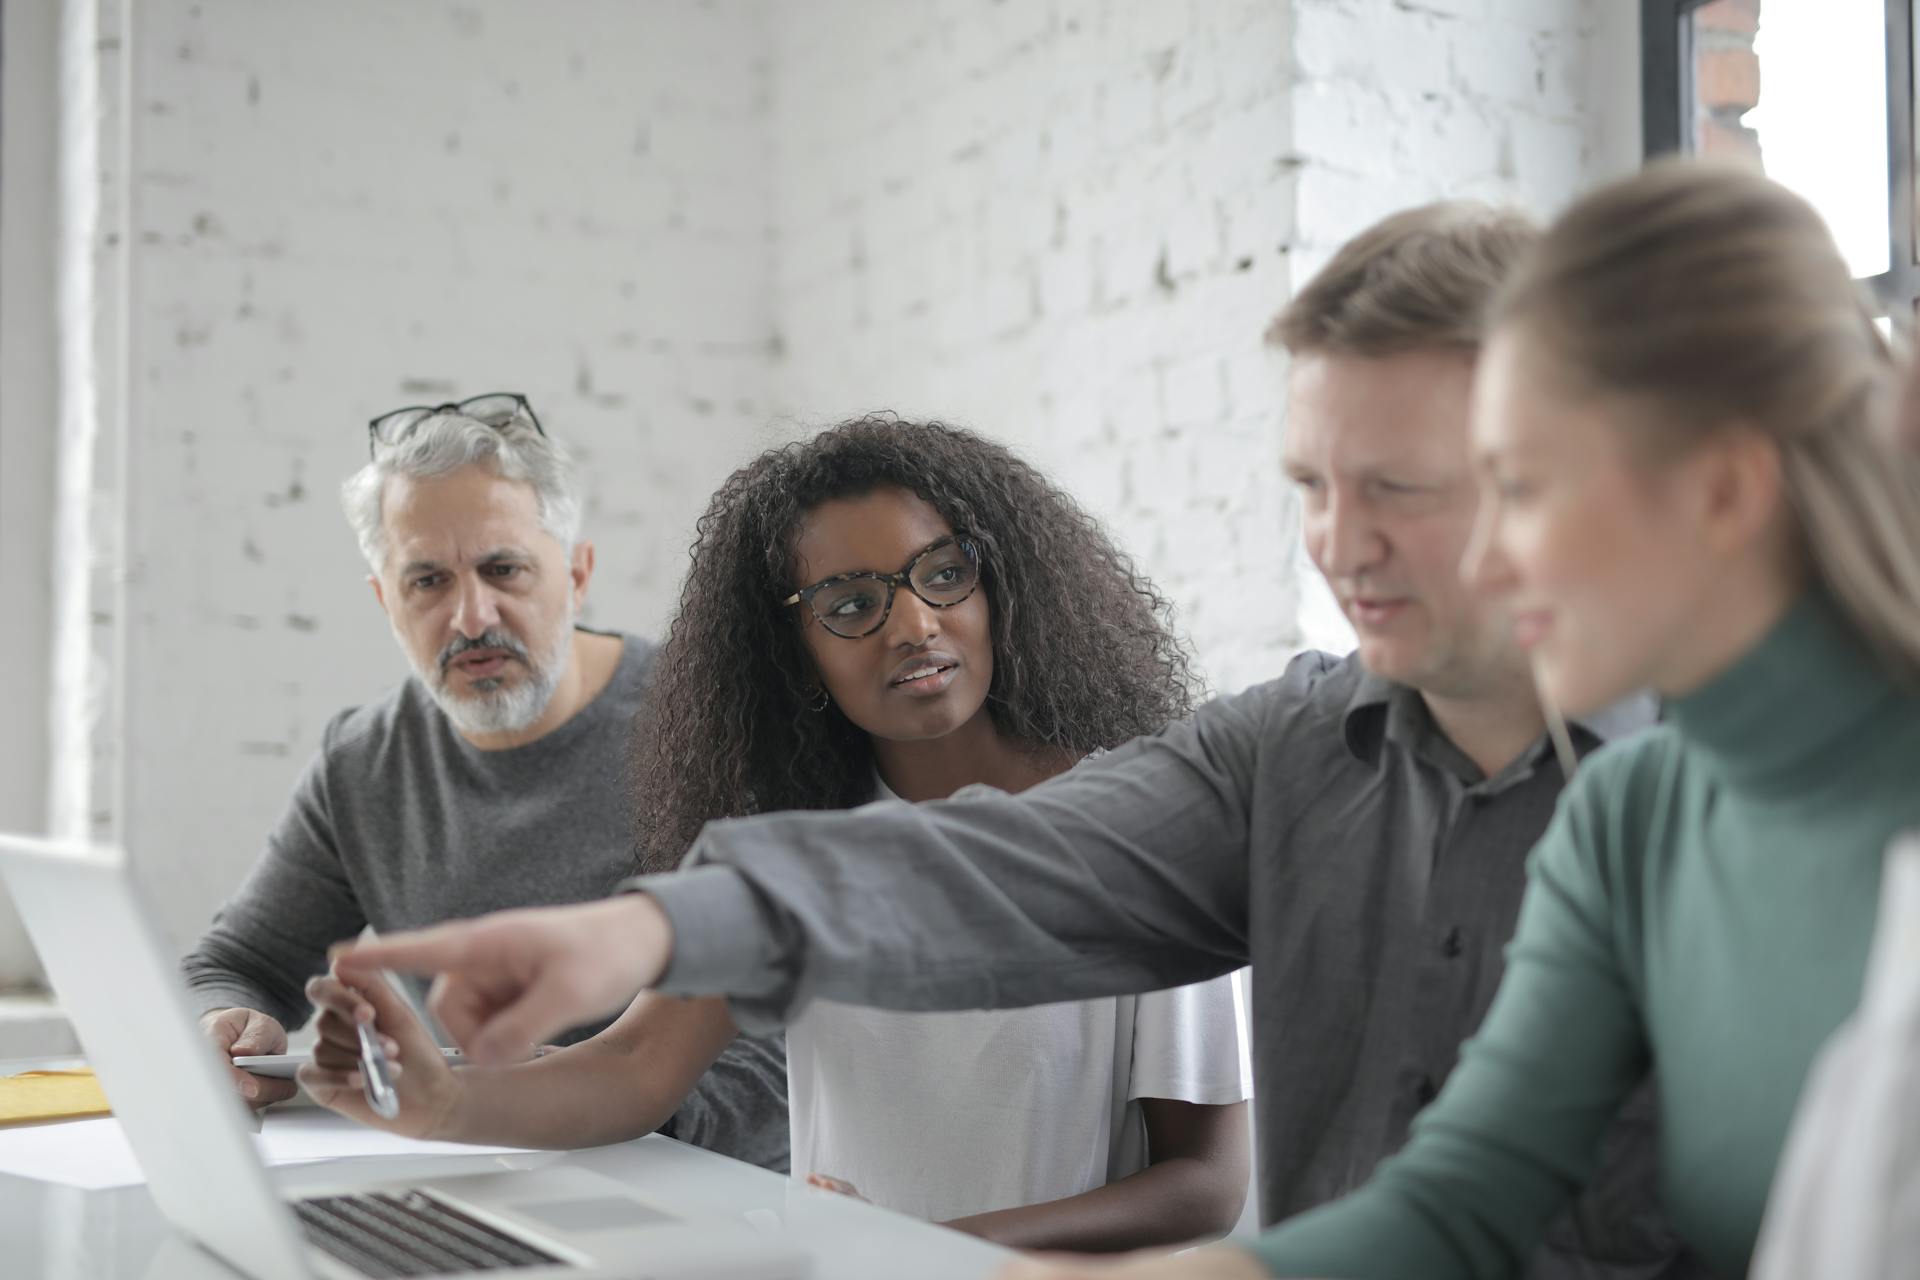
897 610
1079 658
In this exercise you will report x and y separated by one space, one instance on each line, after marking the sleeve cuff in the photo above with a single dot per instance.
721 937
205 999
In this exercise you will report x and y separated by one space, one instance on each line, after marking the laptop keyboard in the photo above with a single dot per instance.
409 1233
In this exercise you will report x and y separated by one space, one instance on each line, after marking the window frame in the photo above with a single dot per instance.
30 68
1666 110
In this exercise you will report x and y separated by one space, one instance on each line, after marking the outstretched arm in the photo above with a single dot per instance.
1126 874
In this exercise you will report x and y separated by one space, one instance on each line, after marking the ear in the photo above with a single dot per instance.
581 570
1742 488
379 592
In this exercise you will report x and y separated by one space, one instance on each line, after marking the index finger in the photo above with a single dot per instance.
417 951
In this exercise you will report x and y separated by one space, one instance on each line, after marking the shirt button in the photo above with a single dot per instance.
1426 1092
1451 945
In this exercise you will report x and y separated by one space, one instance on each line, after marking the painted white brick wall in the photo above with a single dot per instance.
1512 101
1517 102
687 229
1067 223
342 208
1062 224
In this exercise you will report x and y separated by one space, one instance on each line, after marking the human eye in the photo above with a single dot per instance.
502 569
949 568
849 604
428 581
1397 488
1509 485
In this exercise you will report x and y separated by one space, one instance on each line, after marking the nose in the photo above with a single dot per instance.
1343 537
476 610
913 622
1484 567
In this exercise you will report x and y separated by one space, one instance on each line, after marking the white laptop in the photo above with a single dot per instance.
190 1133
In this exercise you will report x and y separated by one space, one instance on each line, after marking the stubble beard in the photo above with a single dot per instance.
496 705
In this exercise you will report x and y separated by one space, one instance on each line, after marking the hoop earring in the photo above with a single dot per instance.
820 703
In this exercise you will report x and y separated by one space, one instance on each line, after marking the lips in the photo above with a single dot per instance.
482 662
923 671
1531 627
1375 611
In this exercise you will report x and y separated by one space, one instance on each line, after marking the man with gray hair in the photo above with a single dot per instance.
494 778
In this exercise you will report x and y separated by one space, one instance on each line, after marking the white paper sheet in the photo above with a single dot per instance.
93 1154
300 1136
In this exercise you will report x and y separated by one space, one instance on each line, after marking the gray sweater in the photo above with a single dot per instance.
399 822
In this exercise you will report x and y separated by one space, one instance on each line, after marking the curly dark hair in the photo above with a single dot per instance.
1084 656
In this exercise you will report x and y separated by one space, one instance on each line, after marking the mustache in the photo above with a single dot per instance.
491 639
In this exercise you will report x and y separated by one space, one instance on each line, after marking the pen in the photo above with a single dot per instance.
376 1075
376 1072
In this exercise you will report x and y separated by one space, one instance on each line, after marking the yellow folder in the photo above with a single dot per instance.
50 1095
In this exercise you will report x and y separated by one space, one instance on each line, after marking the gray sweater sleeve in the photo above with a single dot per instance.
273 934
1126 874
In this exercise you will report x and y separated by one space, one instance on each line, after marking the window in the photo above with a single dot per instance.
29 147
1818 93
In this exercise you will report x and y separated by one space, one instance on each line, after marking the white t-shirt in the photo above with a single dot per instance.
943 1115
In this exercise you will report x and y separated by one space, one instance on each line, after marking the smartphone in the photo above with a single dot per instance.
281 1066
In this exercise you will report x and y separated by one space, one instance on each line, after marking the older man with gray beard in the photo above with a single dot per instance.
494 778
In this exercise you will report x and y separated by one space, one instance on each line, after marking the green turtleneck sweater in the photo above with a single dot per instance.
1702 903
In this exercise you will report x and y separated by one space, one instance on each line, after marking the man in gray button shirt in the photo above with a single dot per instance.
1356 830
496 777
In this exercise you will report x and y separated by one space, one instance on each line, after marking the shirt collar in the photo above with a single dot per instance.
1383 710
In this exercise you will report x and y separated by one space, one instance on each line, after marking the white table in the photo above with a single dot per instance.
54 1232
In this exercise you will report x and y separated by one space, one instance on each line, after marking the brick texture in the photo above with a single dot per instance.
340 209
687 229
1064 225
1726 78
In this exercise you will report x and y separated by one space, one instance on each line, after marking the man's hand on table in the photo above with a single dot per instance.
241 1033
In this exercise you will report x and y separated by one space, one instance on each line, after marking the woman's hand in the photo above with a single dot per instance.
427 1086
506 982
1216 1263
